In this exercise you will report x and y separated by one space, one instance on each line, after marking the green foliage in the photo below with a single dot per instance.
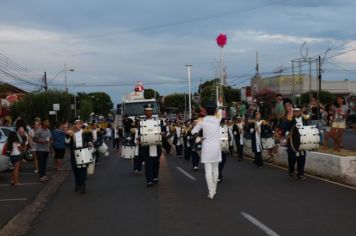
86 107
101 103
325 97
39 104
150 93
208 92
175 100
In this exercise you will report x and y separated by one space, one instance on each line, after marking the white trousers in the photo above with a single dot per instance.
211 176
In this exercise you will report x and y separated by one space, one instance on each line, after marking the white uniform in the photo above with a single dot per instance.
211 150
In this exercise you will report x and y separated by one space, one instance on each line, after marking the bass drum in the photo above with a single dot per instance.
150 132
83 157
305 138
128 152
224 139
268 143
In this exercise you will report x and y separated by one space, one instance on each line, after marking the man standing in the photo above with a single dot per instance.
211 150
78 139
295 157
151 154
238 130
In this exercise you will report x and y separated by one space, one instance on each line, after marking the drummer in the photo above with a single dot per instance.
151 154
78 139
295 157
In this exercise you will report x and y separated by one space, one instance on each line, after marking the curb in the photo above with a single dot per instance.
20 224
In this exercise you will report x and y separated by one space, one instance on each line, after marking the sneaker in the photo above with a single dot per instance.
302 177
36 171
149 184
195 168
155 180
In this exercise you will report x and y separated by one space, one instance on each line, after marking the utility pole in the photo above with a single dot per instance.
189 67
65 78
45 81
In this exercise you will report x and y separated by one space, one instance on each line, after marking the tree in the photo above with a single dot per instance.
325 97
265 100
101 103
150 93
208 92
86 108
175 101
39 104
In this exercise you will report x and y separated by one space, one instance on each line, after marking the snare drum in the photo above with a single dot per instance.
224 139
128 152
150 132
83 156
305 138
268 143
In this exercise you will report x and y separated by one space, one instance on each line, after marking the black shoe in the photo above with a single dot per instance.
155 181
83 190
150 184
302 177
77 188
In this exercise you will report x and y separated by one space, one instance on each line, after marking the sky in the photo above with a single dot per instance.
111 44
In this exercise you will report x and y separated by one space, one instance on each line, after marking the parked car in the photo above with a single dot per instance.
4 159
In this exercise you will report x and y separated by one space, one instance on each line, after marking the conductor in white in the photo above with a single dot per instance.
211 150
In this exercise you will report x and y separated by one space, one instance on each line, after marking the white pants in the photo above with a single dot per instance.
211 176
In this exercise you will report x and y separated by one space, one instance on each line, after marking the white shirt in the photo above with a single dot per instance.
299 121
258 136
240 126
211 149
108 132
15 149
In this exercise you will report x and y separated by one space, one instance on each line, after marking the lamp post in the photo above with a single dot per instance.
189 67
65 77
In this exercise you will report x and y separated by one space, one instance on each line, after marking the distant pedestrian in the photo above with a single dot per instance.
15 148
42 139
108 133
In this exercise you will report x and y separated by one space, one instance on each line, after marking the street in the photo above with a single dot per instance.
249 201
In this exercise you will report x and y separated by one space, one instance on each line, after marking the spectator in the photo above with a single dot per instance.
287 104
108 133
31 134
16 154
42 139
59 145
339 123
328 118
352 111
278 110
242 109
127 125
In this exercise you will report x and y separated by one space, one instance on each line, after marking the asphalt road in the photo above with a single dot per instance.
250 201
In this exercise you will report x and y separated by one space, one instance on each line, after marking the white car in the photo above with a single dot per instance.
4 160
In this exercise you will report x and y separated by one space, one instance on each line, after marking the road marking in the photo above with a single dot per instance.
24 173
8 185
13 199
259 224
186 173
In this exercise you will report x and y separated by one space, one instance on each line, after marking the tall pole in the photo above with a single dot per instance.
45 81
189 67
65 78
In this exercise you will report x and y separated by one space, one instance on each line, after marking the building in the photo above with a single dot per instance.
288 85
9 95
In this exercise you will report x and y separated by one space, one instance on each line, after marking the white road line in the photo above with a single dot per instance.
24 173
8 185
186 173
260 225
315 177
13 199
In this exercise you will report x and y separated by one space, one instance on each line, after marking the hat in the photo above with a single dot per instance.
238 117
297 108
148 107
77 119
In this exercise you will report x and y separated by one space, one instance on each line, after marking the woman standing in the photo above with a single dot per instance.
16 149
43 138
339 123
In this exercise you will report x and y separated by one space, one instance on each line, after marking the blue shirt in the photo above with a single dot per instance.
58 139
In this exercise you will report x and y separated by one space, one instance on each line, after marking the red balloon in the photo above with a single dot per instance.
221 40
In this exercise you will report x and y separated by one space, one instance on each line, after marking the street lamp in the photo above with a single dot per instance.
65 76
189 67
